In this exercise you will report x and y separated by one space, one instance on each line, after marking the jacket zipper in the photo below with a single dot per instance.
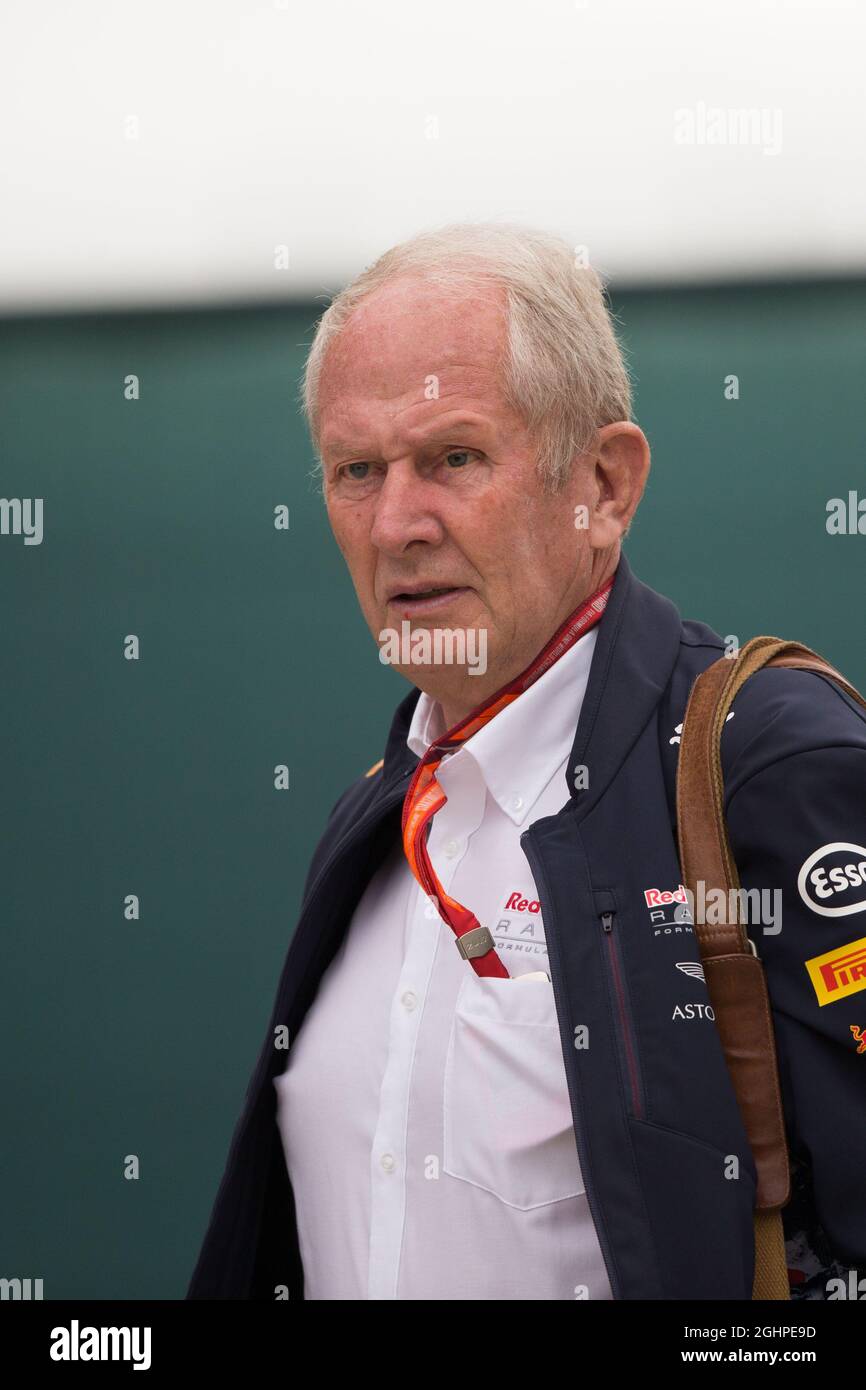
579 1133
629 1043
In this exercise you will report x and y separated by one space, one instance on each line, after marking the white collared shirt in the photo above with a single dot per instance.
424 1111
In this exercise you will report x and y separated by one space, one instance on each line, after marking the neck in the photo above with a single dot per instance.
472 692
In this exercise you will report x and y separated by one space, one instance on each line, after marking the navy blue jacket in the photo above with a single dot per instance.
655 1118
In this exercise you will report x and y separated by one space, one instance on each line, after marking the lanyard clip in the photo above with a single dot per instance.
475 943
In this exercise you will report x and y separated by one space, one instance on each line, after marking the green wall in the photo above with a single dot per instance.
155 777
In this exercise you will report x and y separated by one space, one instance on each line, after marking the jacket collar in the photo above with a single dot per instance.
540 724
635 653
637 649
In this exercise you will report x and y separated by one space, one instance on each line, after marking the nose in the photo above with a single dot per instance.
404 510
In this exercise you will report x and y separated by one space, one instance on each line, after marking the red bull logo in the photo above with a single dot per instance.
661 897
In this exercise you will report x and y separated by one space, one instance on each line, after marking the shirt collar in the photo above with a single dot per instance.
521 748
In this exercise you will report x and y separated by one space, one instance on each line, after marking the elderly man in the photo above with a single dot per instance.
504 1078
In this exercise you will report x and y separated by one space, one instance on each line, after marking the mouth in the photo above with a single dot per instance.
414 602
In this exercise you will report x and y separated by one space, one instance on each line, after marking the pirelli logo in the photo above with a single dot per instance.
839 973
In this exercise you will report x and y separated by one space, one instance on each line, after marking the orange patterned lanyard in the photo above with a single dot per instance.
425 796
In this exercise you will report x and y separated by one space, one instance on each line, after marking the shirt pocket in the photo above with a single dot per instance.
508 1125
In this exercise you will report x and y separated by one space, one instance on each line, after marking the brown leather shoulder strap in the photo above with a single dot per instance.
734 974
704 849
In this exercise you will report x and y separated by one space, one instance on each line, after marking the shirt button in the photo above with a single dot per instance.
387 1161
516 803
451 847
409 1000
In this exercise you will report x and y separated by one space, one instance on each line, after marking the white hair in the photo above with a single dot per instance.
563 371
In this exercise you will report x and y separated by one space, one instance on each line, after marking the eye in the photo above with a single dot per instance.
463 455
348 471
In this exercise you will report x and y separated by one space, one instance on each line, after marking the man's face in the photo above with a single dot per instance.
430 483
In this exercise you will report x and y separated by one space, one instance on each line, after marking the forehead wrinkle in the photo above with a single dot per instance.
436 432
368 376
485 416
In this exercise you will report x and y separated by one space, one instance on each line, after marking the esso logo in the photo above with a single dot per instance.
833 880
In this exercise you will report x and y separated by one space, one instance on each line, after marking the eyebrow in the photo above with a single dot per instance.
437 434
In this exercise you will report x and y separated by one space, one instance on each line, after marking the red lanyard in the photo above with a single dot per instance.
425 796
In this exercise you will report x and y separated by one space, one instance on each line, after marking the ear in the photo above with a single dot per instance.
621 465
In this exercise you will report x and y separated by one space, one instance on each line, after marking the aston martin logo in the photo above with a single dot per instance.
693 968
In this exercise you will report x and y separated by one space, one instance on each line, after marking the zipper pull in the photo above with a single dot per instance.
607 921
